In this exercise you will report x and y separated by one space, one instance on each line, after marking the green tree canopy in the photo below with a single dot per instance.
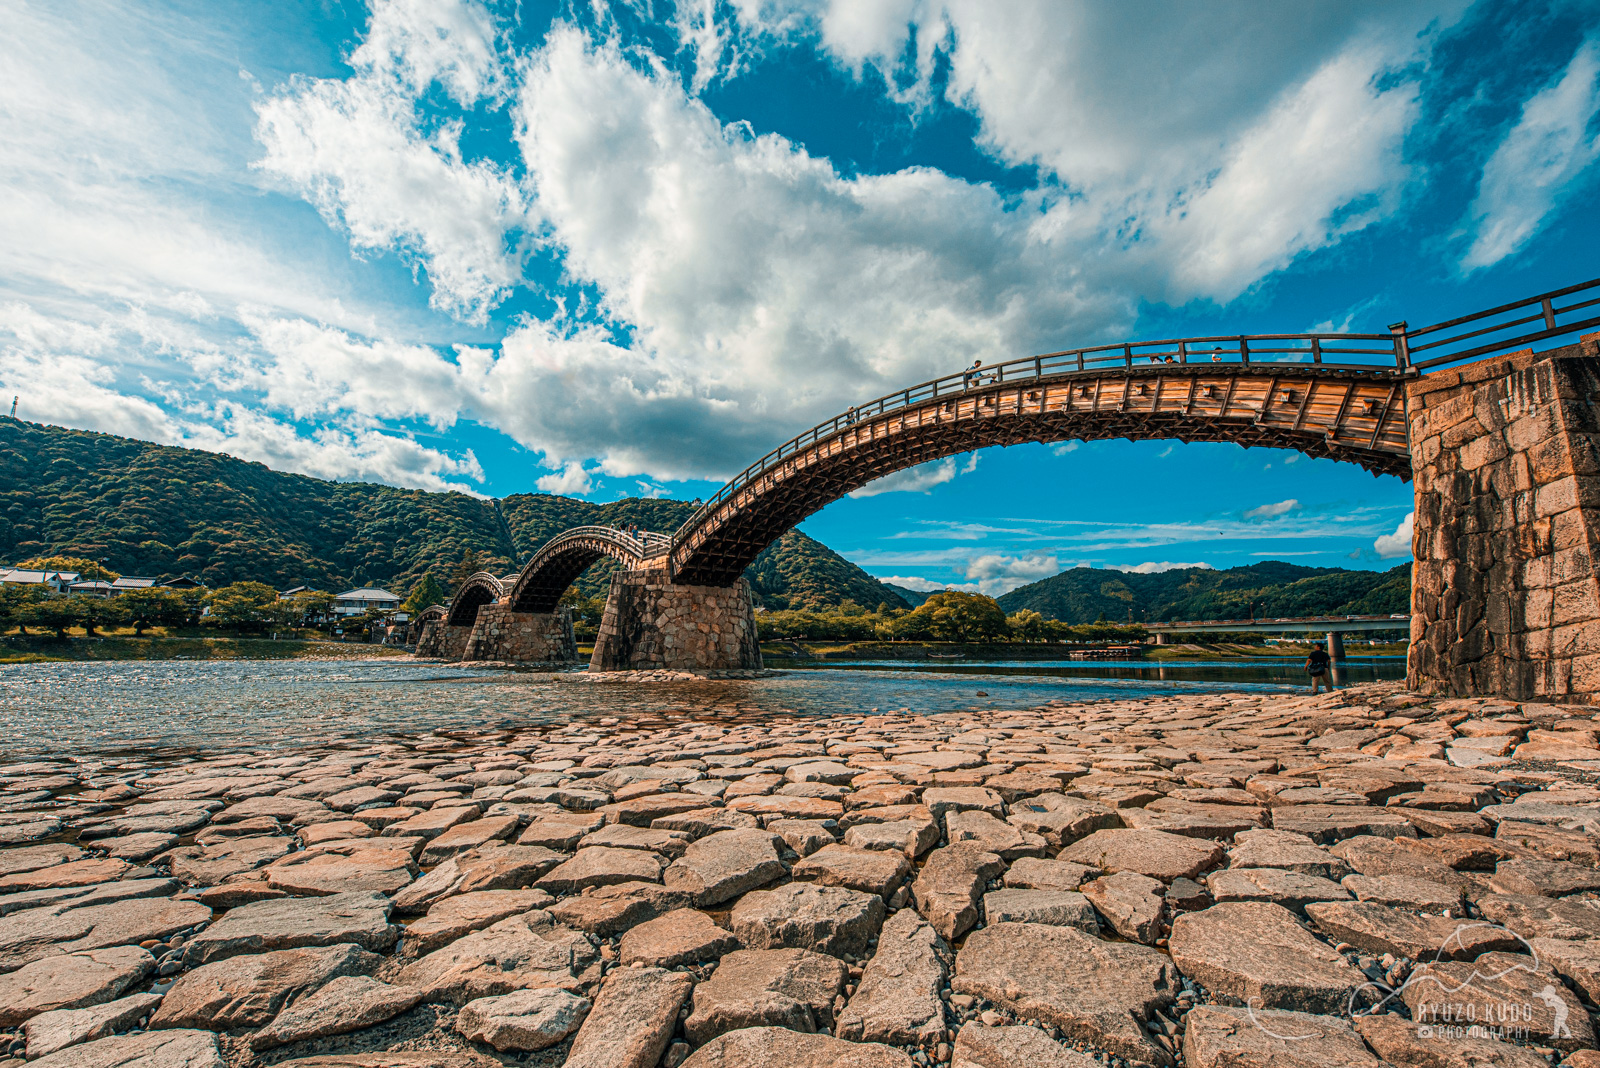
154 607
425 593
470 564
244 605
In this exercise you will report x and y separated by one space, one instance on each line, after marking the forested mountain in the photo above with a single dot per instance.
1273 588
156 510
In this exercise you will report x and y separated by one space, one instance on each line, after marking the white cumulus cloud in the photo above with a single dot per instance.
997 573
1270 511
919 479
1390 546
1156 567
571 481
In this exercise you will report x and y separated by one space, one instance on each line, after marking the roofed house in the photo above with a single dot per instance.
91 588
58 581
132 582
354 602
184 582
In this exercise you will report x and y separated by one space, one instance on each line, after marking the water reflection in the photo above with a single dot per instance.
160 707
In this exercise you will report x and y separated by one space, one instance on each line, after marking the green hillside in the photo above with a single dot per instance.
156 510
1272 588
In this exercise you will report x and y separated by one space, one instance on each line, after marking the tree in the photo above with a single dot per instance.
87 569
244 605
1028 626
470 564
56 613
308 608
426 593
953 616
154 607
99 612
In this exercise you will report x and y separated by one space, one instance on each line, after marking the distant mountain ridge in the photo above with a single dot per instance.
1270 589
157 510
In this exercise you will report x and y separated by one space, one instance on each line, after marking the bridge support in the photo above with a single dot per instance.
1336 644
1504 598
535 639
440 639
651 623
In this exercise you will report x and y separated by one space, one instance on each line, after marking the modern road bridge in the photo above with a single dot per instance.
1400 402
1335 627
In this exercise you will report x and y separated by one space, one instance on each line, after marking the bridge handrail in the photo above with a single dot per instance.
1243 349
1400 619
645 543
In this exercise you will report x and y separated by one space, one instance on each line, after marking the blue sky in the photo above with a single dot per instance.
624 248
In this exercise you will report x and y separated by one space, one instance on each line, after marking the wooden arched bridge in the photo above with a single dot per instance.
1335 395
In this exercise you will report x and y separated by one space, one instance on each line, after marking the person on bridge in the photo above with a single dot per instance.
971 374
1317 667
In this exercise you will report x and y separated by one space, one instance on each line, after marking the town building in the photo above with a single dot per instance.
354 602
57 581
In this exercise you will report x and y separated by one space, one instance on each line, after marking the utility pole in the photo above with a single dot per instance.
14 406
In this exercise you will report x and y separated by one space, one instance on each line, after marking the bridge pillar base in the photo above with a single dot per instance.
650 623
533 638
442 640
1336 645
1504 598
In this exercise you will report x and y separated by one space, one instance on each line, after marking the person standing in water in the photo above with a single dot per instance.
1317 667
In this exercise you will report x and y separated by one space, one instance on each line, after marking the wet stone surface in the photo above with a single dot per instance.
1198 880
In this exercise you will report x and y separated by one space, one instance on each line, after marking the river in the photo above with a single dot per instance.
169 708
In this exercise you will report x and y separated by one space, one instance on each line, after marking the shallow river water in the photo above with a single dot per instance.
160 707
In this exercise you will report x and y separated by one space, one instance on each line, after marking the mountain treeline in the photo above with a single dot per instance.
161 511
1271 589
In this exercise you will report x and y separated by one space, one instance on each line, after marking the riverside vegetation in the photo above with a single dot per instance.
1206 880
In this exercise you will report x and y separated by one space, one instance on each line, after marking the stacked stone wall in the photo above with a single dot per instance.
650 623
522 637
1506 461
442 640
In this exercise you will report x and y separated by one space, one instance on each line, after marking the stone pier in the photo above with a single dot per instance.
1506 458
531 638
440 639
650 623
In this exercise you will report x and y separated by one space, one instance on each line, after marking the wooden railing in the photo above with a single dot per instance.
1486 333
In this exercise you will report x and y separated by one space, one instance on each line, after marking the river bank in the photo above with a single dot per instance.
45 649
609 891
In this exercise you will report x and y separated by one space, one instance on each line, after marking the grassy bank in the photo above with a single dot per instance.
39 649
821 650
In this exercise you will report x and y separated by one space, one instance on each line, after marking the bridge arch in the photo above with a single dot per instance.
559 562
480 589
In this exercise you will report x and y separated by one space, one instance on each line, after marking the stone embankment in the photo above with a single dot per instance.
1362 878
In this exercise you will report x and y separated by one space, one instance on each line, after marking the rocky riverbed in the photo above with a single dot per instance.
1361 878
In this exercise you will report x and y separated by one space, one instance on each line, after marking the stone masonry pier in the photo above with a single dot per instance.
1506 462
651 623
531 638
440 639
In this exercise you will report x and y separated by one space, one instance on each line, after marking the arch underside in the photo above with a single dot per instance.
1369 432
479 590
557 566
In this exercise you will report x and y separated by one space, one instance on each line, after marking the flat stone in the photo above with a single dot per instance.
992 834
247 991
343 1004
765 1047
210 865
1378 929
71 873
1511 987
60 1028
805 837
453 917
911 837
979 1046
432 823
1541 917
792 988
1550 878
557 833
1462 852
1404 1042
1551 843
283 809
1258 953
682 936
465 836
721 866
1062 820
1578 962
699 822
1217 1037
140 847
1291 889
523 1020
599 866
33 934
71 981
1194 820
1403 891
492 867
940 800
436 1058
326 873
78 897
1103 998
32 858
897 1001
610 910
826 919
1132 904
143 1049
1331 823
669 844
290 923
950 885
789 808
1286 851
1154 853
379 818
641 811
33 830
1030 873
869 870
360 797
1060 908
1370 855
632 1021
518 953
